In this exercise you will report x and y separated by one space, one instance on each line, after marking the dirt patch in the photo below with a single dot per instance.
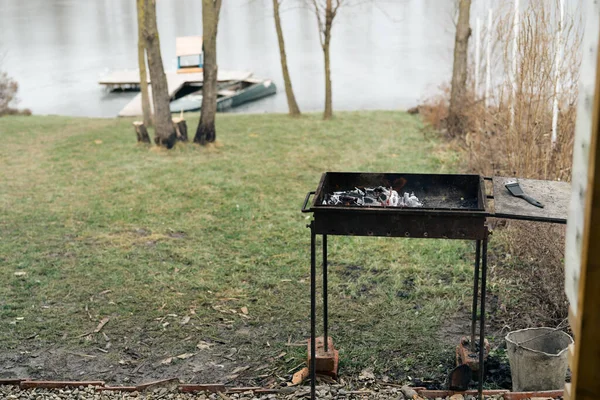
124 366
227 359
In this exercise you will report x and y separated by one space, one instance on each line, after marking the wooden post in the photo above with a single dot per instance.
582 256
180 129
141 132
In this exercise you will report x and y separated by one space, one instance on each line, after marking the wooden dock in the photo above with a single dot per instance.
131 79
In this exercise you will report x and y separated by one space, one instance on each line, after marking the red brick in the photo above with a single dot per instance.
527 395
58 384
465 356
11 381
243 389
446 393
326 361
159 383
213 388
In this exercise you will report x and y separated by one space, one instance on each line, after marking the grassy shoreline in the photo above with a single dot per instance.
170 245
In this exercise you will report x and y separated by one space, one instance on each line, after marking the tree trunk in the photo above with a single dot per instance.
326 41
459 69
163 125
146 111
289 92
181 129
206 131
141 132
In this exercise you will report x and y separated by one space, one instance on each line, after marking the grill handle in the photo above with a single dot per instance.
304 209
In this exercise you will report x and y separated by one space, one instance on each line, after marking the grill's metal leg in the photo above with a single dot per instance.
313 300
482 317
475 294
325 311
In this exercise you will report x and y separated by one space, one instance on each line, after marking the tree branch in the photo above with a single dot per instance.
320 25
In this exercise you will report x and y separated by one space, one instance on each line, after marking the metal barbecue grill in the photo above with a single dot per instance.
453 207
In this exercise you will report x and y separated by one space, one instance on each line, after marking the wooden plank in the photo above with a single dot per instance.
132 77
567 393
571 355
573 321
583 132
553 195
586 359
122 77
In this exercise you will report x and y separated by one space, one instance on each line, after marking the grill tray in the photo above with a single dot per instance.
454 206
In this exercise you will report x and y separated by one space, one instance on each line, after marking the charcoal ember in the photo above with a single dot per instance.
378 196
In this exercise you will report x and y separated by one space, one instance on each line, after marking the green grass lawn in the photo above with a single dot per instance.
104 227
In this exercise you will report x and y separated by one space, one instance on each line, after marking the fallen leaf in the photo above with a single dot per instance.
299 377
167 361
185 356
20 318
98 141
244 310
240 369
185 320
103 322
264 366
203 345
281 354
253 135
165 324
104 292
20 273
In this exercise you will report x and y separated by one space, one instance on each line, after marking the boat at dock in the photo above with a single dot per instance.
185 84
229 95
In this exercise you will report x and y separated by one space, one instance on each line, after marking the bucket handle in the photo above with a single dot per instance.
558 328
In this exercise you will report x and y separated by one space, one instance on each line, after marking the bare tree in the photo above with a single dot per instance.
294 110
164 133
142 64
206 131
459 68
8 92
326 11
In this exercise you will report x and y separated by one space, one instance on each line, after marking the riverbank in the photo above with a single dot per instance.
125 263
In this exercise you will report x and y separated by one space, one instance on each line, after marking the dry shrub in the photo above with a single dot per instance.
510 135
434 111
528 275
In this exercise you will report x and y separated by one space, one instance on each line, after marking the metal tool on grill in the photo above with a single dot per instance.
515 189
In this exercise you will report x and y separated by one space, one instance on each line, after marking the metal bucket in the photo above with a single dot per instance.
538 358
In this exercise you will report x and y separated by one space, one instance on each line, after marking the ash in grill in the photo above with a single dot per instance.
379 196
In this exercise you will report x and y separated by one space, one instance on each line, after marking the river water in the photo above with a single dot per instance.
386 54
